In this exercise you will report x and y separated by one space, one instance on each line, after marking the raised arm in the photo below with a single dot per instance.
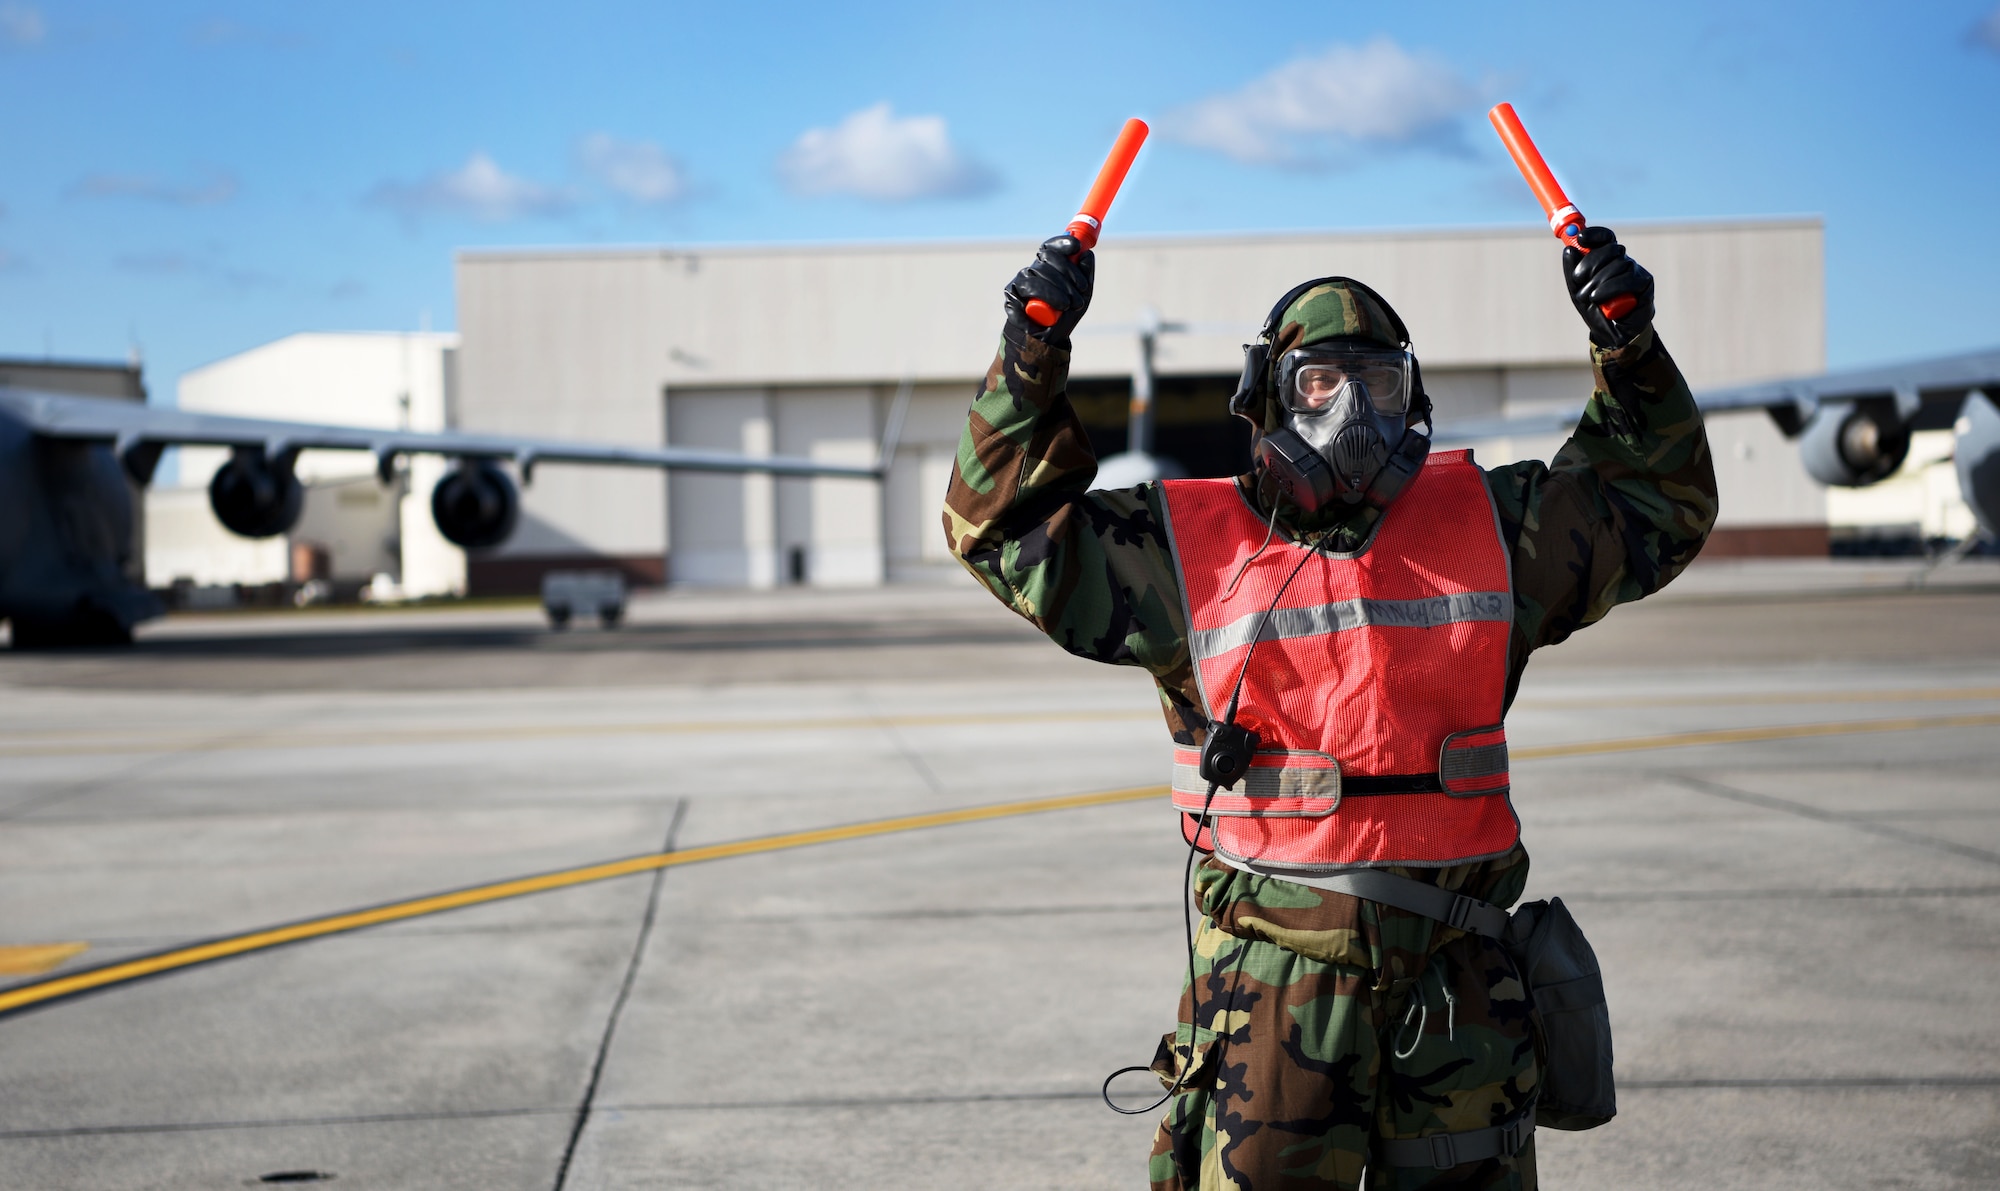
1630 498
1090 569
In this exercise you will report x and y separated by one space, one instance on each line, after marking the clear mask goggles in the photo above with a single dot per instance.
1311 378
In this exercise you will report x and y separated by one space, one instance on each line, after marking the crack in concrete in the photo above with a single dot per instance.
1701 785
583 1109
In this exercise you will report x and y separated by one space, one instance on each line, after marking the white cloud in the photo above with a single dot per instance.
637 170
215 189
479 189
1375 94
876 154
22 24
1987 31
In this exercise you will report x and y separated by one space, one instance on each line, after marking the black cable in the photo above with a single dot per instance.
1194 844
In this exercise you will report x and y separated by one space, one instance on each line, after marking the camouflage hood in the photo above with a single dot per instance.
1334 309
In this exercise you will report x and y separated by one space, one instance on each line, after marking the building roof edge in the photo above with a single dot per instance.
1156 239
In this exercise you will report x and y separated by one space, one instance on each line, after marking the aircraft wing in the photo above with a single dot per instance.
1791 401
137 431
1911 383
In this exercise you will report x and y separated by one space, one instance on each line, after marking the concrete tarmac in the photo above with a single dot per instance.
1790 869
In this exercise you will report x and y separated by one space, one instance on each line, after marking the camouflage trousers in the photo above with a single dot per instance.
1299 1063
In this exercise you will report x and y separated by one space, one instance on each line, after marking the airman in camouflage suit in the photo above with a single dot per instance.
1327 1021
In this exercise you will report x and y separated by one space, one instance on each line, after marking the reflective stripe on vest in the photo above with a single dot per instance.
1378 684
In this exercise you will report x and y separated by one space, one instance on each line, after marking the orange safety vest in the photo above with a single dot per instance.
1379 685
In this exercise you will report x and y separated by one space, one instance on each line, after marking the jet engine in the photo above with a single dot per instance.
254 496
475 505
1976 454
1851 444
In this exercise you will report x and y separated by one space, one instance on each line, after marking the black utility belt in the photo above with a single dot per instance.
1471 763
1361 786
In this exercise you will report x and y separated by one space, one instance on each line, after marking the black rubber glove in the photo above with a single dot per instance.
1061 282
1605 273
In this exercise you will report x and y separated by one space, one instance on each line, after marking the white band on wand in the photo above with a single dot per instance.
1563 217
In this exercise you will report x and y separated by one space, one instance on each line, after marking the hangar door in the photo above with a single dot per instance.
760 531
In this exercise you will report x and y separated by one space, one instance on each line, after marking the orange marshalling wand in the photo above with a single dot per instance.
1090 220
1564 219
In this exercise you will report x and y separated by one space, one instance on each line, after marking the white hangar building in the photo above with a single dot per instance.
801 350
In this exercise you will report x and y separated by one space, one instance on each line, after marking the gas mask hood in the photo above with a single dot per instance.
1335 413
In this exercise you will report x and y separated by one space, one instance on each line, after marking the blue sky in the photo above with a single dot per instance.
195 179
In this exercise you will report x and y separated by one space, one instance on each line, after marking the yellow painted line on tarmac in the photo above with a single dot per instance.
1751 735
32 959
86 745
22 997
83 744
40 992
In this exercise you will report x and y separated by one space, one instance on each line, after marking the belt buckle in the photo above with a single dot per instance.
1514 1134
1444 1155
1461 910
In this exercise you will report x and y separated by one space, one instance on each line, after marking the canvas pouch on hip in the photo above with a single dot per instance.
1567 992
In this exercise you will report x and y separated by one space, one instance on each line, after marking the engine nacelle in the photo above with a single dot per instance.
1976 453
1851 444
255 497
475 505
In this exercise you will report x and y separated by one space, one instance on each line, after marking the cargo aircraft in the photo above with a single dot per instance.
66 513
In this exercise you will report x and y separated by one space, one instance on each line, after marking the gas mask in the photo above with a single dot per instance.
1344 412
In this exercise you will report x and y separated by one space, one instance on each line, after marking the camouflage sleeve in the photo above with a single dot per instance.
1623 509
1093 570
